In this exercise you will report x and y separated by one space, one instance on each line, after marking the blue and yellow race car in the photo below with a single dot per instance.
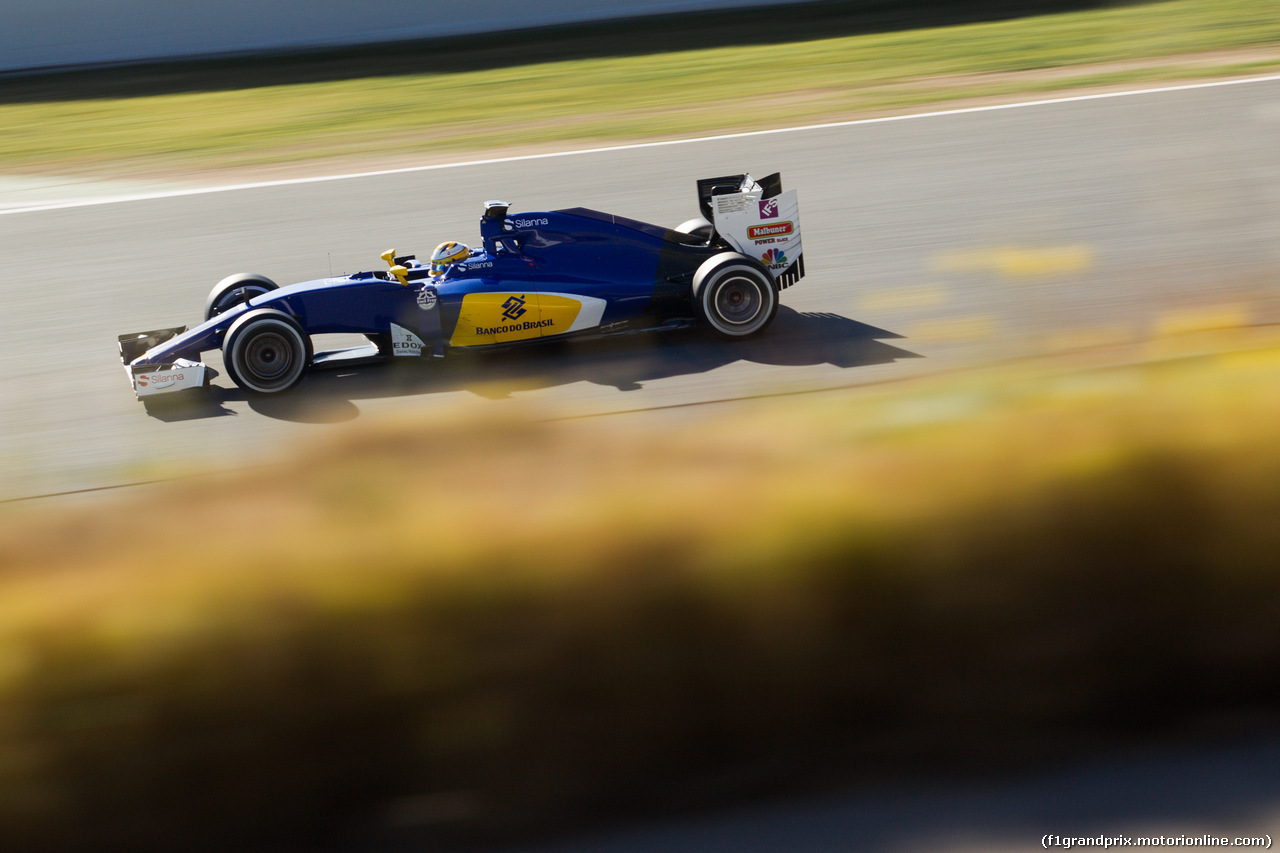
556 274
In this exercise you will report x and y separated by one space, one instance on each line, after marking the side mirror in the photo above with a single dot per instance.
400 273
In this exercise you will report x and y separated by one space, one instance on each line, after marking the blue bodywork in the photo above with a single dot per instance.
539 275
641 271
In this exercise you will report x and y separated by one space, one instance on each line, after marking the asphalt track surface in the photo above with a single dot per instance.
932 243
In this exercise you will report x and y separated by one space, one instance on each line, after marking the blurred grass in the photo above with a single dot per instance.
836 61
485 625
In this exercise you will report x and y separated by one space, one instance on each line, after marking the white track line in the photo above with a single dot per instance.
632 147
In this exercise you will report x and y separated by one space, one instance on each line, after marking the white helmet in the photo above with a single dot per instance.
447 254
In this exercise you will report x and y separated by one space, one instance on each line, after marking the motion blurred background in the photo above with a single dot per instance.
1032 524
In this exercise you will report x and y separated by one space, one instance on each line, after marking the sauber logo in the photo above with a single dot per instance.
776 229
768 208
513 308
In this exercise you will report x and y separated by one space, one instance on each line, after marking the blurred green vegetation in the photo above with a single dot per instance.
484 625
603 84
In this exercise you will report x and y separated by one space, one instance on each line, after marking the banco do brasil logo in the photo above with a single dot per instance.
513 308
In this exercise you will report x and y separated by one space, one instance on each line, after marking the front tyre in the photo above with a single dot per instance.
735 298
235 289
266 352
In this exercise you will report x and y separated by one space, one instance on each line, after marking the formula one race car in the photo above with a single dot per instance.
559 274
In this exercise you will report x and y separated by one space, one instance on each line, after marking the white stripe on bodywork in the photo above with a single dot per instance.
590 314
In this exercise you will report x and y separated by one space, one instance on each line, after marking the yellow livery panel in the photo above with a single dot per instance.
558 313
496 318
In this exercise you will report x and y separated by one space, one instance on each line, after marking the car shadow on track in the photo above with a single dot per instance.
624 363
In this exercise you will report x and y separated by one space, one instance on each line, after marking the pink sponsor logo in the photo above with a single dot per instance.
768 208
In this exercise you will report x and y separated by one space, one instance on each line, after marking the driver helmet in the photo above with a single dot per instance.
447 254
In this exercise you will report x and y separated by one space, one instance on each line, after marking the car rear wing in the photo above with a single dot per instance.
759 220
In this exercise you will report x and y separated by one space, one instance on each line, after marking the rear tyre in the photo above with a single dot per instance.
735 299
235 289
697 227
266 352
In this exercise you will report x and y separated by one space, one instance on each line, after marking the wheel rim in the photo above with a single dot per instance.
738 300
268 357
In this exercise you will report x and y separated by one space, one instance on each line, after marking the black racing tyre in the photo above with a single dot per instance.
266 352
697 227
233 290
734 298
